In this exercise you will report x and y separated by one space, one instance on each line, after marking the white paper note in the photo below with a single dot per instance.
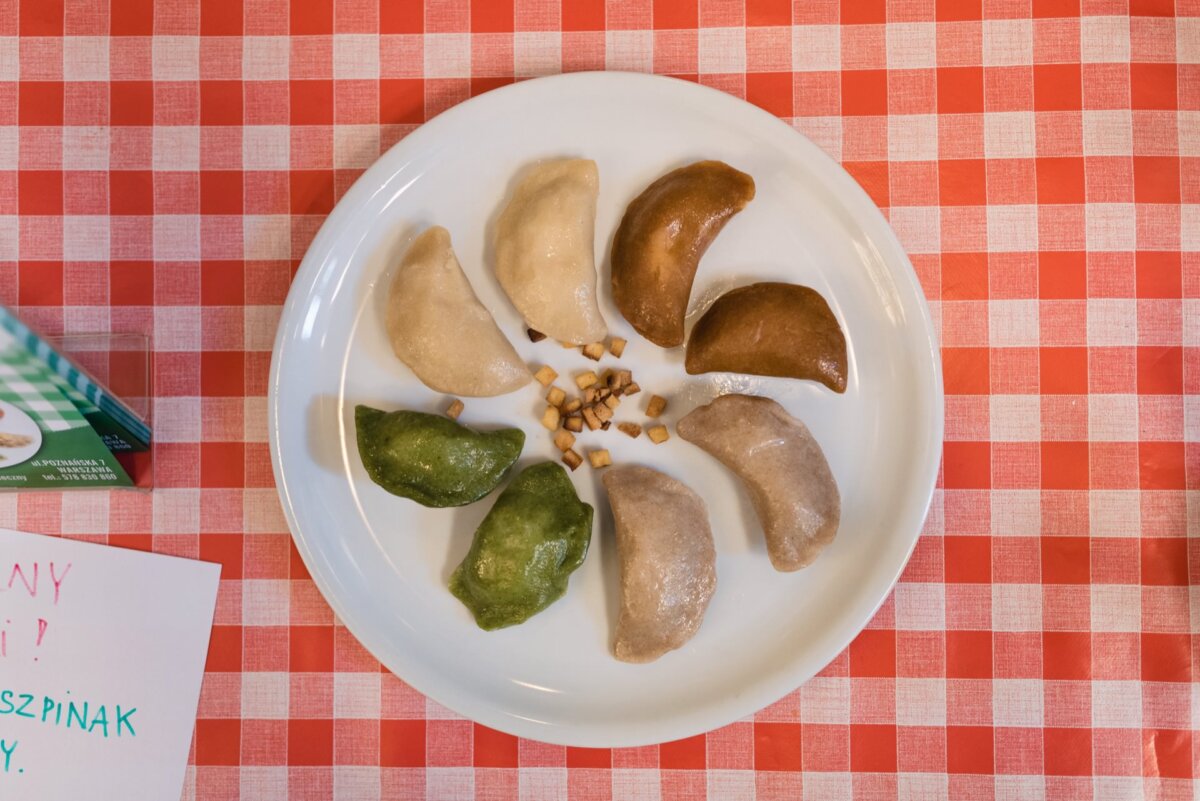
101 656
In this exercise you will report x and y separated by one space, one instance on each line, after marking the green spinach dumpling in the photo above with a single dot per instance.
526 548
432 459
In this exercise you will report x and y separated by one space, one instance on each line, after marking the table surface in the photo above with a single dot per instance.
165 163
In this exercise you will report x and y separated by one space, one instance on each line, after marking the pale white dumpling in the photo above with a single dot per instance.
441 330
545 250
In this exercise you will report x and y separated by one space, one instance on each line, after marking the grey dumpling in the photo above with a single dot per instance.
668 562
783 467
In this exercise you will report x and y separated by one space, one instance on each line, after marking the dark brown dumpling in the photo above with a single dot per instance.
662 237
772 329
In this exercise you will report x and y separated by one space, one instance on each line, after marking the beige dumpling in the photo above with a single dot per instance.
440 329
668 562
793 489
545 251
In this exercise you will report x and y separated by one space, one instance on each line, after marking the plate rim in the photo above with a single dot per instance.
606 735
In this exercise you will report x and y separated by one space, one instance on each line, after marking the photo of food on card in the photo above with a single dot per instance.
46 438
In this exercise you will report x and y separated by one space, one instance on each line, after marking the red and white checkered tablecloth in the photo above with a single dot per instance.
165 163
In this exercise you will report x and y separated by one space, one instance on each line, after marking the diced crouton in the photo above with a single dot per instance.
572 459
585 380
616 346
612 401
632 388
573 405
454 409
630 429
590 396
534 336
545 375
658 434
600 458
589 417
556 397
551 418
574 423
656 406
602 412
564 440
594 351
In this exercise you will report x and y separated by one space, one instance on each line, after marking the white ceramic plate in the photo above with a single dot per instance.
382 561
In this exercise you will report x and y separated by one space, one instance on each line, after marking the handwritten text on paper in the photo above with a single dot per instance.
101 655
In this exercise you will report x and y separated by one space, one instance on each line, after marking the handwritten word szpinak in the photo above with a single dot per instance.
98 719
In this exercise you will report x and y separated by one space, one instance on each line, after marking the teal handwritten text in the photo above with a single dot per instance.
7 747
89 717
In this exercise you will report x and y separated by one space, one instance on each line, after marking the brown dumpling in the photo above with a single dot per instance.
783 468
773 329
662 237
668 561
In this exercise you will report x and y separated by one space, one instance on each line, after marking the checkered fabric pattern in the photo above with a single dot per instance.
165 163
30 386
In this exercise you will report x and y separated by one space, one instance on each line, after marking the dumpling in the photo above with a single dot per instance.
432 459
773 329
668 562
794 493
663 235
545 251
440 329
526 548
